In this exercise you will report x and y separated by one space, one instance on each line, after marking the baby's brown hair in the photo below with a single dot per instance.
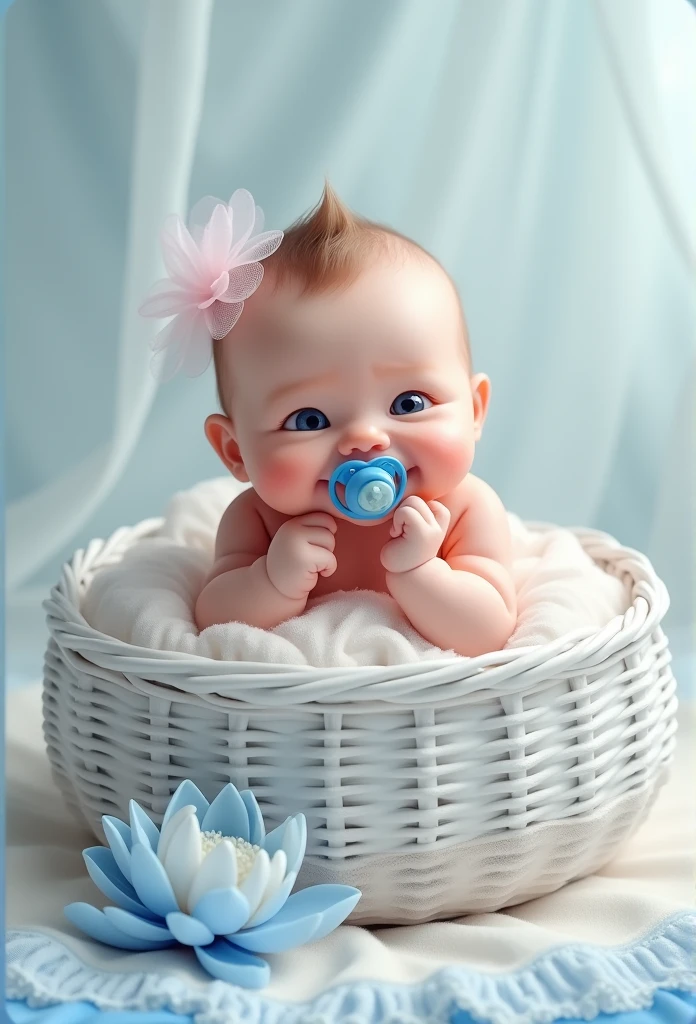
327 248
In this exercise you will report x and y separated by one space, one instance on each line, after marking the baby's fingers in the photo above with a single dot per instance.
404 517
318 519
329 564
319 536
399 520
418 505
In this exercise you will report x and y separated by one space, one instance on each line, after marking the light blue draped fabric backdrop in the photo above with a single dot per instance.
545 152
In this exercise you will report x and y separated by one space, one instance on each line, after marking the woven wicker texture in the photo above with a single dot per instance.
428 760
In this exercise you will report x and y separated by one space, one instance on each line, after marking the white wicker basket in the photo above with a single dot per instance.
439 788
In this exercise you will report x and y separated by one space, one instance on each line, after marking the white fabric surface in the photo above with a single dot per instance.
147 599
648 881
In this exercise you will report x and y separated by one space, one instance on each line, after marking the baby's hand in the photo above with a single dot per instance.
302 550
418 529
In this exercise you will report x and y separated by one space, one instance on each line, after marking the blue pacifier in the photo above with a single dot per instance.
373 489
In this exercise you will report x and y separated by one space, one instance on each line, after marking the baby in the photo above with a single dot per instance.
354 347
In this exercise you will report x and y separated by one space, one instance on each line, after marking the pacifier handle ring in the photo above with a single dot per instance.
395 467
387 464
351 467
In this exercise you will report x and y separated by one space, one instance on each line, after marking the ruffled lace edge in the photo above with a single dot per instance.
568 981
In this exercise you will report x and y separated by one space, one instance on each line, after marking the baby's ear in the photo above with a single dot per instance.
480 395
220 432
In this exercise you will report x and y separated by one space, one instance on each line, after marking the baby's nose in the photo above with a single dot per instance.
363 437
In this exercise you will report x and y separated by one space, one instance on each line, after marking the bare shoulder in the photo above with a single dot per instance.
242 529
479 524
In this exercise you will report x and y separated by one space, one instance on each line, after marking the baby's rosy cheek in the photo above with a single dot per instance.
282 471
448 449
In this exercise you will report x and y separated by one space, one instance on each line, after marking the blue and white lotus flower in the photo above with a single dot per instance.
212 879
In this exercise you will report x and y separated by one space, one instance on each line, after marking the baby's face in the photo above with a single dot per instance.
377 369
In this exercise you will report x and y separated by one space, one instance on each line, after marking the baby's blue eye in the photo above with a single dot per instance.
306 419
408 402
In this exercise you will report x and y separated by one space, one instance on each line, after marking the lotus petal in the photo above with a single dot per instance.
151 882
186 793
171 827
227 814
257 829
254 885
273 901
224 911
93 923
118 836
276 874
308 915
137 927
187 930
274 840
104 872
217 871
183 857
295 841
226 962
337 901
143 830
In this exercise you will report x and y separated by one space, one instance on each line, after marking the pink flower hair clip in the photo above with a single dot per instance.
213 266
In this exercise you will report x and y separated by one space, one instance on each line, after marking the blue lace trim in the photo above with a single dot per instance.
569 981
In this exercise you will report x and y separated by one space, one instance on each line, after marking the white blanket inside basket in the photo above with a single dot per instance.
147 598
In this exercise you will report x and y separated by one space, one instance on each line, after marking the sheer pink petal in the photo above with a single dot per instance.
181 256
165 299
165 364
217 240
201 214
198 350
168 350
243 282
259 247
168 334
243 216
183 344
259 221
221 318
177 330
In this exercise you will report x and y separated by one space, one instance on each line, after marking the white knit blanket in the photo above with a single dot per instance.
147 598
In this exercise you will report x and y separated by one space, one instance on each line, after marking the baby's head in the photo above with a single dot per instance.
354 346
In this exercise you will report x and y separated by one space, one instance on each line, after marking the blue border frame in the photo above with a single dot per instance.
4 5
669 1006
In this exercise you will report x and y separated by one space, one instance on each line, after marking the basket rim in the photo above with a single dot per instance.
583 646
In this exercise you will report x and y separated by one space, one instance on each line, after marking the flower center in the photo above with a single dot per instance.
246 852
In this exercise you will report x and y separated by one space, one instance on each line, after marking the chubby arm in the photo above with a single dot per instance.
237 588
260 580
464 598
